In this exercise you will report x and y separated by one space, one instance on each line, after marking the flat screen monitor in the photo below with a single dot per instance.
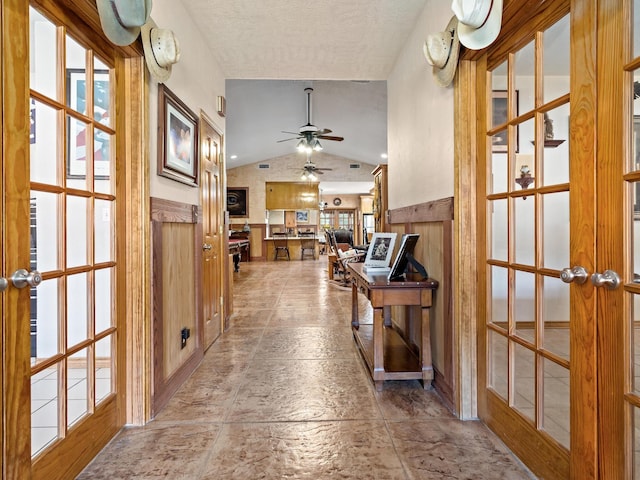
405 253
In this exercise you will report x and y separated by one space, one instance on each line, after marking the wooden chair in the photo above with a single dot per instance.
340 265
281 245
307 243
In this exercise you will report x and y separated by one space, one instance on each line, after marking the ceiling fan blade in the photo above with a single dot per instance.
330 137
328 169
285 140
323 131
290 133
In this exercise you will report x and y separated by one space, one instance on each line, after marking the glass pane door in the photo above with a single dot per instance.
72 145
527 343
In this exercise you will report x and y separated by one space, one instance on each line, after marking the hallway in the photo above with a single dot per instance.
284 394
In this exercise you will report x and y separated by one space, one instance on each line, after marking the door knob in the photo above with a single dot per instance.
609 279
576 274
21 278
206 246
4 283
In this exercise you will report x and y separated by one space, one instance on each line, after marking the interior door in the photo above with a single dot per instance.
559 337
63 198
535 226
212 249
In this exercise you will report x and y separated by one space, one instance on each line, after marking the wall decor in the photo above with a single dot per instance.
499 104
177 139
77 129
238 201
302 216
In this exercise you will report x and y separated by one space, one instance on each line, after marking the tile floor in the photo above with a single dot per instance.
284 394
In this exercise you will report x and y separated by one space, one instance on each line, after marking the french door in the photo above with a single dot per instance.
558 204
63 338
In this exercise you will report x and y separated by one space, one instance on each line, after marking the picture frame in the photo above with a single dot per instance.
499 105
636 160
380 250
302 216
177 139
238 201
76 161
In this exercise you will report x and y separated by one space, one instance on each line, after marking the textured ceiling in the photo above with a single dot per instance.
304 39
270 50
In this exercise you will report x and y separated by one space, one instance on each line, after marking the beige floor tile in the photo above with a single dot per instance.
284 394
305 450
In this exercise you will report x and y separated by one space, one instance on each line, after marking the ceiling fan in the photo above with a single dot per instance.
309 170
308 135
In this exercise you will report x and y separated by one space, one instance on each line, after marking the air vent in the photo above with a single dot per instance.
354 165
263 165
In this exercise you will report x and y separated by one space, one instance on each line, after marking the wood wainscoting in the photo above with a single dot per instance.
176 235
434 222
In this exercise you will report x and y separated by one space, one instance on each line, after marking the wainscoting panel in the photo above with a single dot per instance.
177 307
434 250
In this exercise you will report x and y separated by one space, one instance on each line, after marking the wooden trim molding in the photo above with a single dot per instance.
434 211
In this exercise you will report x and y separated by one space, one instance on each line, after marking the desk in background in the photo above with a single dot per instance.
384 350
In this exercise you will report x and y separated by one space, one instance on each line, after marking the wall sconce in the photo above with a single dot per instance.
525 179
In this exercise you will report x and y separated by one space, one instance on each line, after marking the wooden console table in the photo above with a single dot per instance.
384 350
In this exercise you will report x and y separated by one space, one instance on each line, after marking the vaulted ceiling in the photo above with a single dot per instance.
270 50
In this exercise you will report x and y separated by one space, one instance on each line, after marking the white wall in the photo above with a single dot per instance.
196 79
420 119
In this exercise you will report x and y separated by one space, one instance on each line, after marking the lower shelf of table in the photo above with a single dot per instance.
400 362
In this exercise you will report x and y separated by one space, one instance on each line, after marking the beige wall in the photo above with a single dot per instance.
288 168
420 120
195 81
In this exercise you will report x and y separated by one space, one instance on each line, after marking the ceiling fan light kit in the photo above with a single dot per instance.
309 135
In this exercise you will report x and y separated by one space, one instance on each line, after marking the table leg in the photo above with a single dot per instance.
236 262
378 348
386 311
425 350
355 320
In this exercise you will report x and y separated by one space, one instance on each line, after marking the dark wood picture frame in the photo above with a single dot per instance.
238 201
177 139
499 104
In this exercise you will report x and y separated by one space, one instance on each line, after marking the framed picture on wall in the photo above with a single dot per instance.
302 216
238 201
77 129
499 105
177 139
636 153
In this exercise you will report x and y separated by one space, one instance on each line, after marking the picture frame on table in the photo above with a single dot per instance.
238 201
177 139
380 250
499 112
76 161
